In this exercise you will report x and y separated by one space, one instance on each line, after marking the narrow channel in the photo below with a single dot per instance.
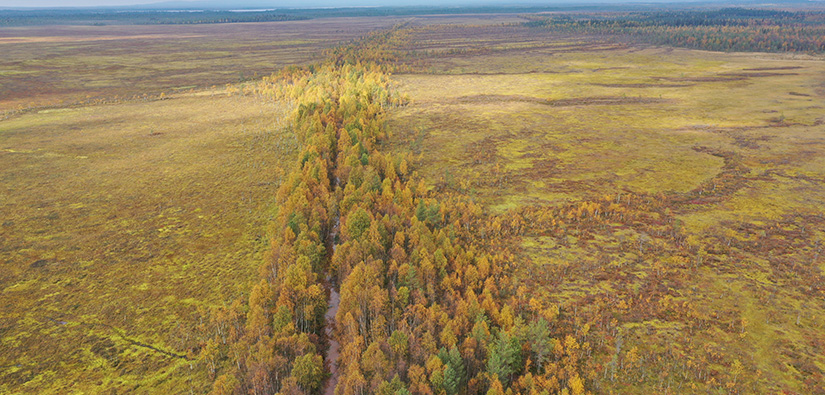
333 349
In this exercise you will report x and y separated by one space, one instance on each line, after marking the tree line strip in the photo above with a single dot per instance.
426 302
728 29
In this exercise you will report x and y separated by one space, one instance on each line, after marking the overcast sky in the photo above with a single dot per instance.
212 4
71 3
227 3
291 3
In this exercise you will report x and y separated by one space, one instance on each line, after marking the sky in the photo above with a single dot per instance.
98 3
289 3
71 3
310 3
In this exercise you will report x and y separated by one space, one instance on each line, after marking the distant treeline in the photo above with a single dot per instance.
89 17
151 17
111 16
440 10
729 29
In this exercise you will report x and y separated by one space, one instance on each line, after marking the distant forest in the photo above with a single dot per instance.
729 29
101 17
664 14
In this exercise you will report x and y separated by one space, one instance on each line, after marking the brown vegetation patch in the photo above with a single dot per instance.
797 177
579 101
740 139
719 78
595 46
486 99
773 68
481 152
730 180
759 74
65 39
544 168
604 101
643 85
465 52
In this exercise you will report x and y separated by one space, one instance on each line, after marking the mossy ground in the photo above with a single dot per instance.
119 222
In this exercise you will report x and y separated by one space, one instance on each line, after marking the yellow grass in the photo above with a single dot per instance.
505 128
119 222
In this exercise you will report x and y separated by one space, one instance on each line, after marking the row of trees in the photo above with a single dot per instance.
426 306
279 339
722 30
434 292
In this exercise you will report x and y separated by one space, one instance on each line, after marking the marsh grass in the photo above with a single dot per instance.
120 222
734 141
48 66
